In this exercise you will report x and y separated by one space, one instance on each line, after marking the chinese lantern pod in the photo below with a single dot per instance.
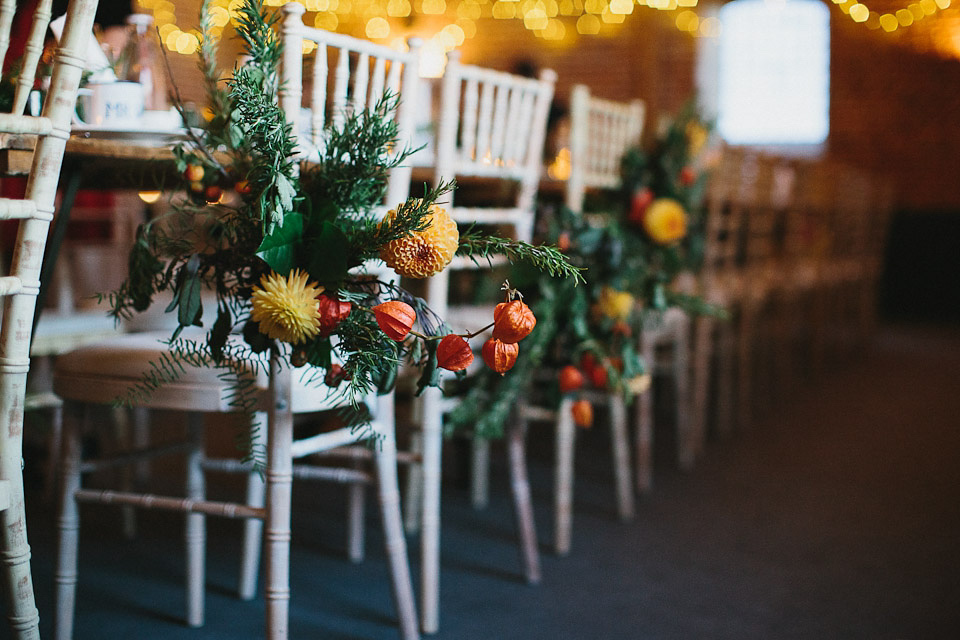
500 356
582 412
570 379
395 318
454 353
332 312
513 321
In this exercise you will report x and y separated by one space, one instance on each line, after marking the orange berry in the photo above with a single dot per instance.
194 172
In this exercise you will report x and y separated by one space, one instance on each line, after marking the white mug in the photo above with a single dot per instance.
110 104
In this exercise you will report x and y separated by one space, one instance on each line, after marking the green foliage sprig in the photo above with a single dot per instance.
629 277
254 209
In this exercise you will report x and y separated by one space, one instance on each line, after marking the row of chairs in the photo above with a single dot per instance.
490 125
794 253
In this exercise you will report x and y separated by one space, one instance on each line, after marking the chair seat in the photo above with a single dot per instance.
102 372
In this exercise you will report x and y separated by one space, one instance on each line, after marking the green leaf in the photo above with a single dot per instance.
327 260
219 332
318 353
430 374
278 249
190 309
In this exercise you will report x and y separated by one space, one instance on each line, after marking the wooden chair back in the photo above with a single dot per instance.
493 125
601 132
32 50
22 283
347 75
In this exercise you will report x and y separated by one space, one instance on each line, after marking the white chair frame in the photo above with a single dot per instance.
50 131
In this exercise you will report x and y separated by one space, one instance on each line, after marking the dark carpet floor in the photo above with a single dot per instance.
836 516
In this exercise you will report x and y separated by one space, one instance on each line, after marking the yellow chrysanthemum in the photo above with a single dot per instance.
287 308
665 221
697 136
615 304
426 252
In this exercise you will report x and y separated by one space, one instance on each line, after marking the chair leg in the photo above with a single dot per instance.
563 478
522 504
396 546
22 616
68 522
620 444
702 358
253 527
279 476
725 379
686 432
54 442
480 473
121 440
195 530
644 420
413 496
746 342
430 520
356 510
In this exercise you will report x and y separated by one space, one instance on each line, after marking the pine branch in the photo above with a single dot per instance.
480 246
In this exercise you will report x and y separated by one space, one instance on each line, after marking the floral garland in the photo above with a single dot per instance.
648 233
283 246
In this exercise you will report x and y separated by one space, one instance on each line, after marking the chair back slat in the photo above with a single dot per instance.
318 96
601 132
471 103
347 75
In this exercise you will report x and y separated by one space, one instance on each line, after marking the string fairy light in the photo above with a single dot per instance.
907 16
551 20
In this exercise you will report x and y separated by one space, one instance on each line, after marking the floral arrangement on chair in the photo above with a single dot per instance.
282 246
637 242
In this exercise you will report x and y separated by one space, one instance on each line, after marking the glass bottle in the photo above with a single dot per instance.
141 62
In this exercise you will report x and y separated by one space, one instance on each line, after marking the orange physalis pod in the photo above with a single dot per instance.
332 312
513 321
454 353
570 379
500 356
582 412
395 318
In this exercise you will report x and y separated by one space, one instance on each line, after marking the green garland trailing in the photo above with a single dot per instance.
632 243
254 221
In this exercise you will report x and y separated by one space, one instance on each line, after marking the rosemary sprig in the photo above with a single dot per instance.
479 246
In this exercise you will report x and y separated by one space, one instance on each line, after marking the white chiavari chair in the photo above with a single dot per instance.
720 284
601 132
100 373
47 133
492 127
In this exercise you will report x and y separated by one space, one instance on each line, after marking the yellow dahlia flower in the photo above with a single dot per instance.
615 304
426 252
287 308
665 221
697 136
